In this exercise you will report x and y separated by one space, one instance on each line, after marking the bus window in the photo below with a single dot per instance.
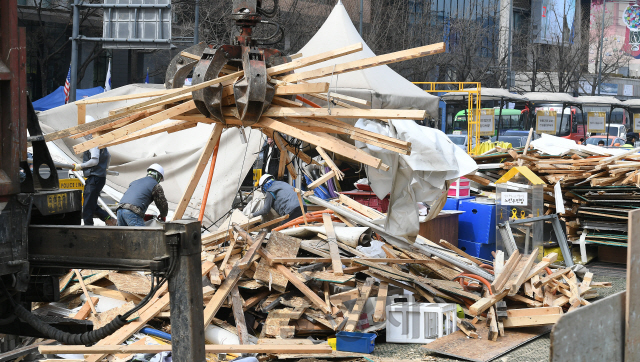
564 125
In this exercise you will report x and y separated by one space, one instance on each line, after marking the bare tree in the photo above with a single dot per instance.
49 43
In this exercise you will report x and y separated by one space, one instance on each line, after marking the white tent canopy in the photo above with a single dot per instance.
381 85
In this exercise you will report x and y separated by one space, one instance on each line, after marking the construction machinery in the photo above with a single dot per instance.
252 91
41 237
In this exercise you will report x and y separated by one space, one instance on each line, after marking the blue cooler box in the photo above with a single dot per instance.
454 203
477 223
355 342
479 250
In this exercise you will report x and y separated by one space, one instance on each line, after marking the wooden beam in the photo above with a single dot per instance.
284 156
354 314
556 275
84 290
502 278
336 263
303 88
205 156
330 163
315 59
486 302
169 127
209 348
362 209
303 112
83 313
539 268
238 315
380 314
315 299
366 63
455 249
136 126
124 97
303 260
121 121
322 179
354 154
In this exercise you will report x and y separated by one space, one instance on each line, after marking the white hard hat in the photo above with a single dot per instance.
157 168
88 119
264 179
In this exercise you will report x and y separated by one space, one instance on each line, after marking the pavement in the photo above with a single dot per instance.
534 351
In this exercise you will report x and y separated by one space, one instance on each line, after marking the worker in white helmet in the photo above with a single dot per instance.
94 167
279 195
139 195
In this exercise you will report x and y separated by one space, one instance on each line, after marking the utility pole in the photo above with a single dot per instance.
361 10
598 84
196 30
75 33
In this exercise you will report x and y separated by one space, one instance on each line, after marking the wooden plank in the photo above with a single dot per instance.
455 249
380 314
84 290
302 88
124 97
209 348
238 315
524 271
279 245
136 126
346 261
556 275
530 302
82 113
467 328
356 155
354 314
64 281
503 277
205 156
169 127
83 313
315 299
315 59
486 302
540 267
321 180
284 157
302 112
363 209
532 317
336 263
230 281
493 325
366 63
113 124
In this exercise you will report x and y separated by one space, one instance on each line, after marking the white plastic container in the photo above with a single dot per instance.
420 322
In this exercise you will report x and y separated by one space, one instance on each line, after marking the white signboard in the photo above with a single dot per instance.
546 122
636 122
628 90
513 198
596 122
487 122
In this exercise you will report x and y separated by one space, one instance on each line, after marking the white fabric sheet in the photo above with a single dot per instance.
419 177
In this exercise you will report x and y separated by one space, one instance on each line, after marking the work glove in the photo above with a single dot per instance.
163 218
77 167
147 217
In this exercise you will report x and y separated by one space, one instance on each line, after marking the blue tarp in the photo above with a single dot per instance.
56 98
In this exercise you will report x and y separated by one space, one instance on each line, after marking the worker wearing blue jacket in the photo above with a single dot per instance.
280 196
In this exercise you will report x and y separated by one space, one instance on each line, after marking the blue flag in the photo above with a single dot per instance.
147 80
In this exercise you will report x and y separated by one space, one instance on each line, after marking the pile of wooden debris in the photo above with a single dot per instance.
598 188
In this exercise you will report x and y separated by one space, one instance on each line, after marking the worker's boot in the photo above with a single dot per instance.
111 222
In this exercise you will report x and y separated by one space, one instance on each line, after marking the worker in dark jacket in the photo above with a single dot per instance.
139 195
279 195
94 167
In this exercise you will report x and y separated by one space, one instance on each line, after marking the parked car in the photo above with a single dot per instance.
525 134
459 140
616 130
516 141
609 141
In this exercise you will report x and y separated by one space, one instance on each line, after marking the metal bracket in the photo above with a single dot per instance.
557 228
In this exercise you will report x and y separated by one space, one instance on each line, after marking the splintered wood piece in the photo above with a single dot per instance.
230 281
354 315
97 352
540 267
330 163
366 63
556 275
493 325
238 315
213 140
524 267
303 288
467 328
84 290
486 302
279 245
83 313
500 281
284 157
336 263
379 315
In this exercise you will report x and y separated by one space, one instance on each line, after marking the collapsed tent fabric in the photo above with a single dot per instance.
419 177
56 98
177 152
381 85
